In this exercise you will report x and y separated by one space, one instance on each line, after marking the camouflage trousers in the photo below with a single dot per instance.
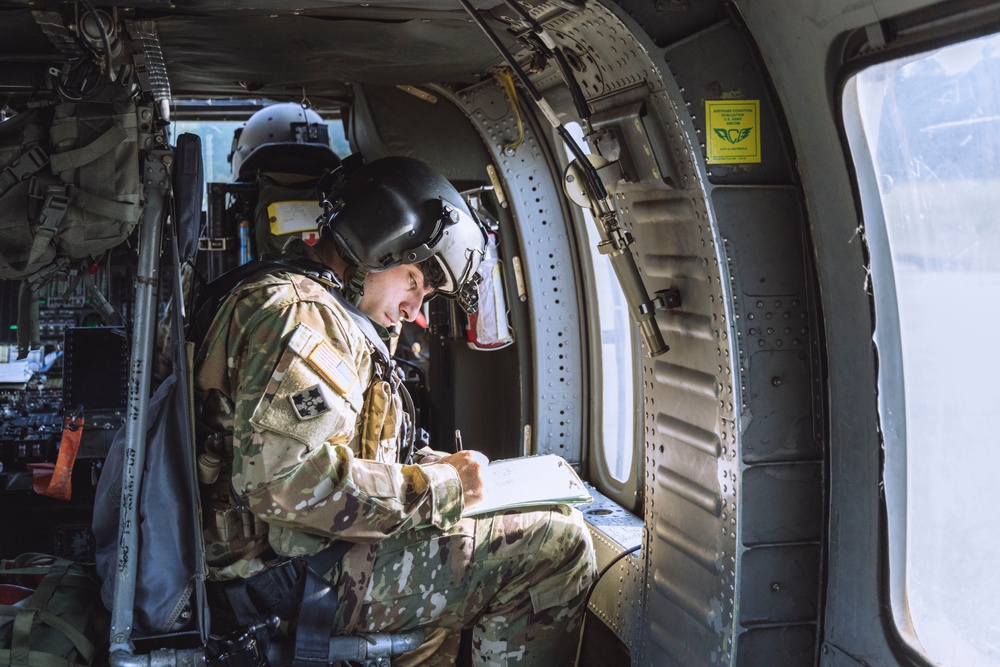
518 579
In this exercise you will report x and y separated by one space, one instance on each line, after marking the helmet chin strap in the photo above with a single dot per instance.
356 286
353 276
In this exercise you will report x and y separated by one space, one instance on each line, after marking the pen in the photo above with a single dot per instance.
458 440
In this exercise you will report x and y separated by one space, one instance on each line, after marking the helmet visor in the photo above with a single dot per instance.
459 251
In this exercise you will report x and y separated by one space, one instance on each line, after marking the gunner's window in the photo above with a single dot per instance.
925 137
614 351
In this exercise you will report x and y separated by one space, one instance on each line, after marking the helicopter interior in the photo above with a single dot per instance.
692 329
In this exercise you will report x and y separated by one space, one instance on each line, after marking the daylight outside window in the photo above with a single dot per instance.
616 386
617 411
926 141
216 144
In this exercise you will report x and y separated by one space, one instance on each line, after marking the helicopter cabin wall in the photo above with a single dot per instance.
732 415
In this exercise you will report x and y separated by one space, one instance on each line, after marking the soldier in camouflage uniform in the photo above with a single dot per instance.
300 421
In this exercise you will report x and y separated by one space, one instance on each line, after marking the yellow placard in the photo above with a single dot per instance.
287 217
732 131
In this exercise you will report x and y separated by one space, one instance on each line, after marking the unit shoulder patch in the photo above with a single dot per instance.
309 402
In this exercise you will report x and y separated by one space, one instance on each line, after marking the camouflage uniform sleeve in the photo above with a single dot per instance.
292 465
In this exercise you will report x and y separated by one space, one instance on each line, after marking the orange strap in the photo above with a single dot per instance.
61 486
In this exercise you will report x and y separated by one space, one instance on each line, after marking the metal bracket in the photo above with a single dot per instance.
667 299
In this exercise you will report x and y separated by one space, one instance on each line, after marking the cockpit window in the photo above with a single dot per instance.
925 136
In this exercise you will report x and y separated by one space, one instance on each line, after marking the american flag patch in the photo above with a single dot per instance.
332 367
309 403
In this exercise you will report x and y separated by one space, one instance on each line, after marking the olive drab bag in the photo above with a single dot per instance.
70 189
61 623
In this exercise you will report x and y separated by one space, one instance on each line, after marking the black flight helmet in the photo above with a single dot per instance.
399 210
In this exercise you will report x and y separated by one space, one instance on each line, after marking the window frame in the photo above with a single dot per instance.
887 351
628 492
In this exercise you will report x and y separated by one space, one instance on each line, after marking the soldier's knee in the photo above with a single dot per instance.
565 565
571 540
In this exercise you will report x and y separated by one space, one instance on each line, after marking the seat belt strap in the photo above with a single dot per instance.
318 609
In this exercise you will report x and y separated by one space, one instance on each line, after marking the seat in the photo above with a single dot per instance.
156 456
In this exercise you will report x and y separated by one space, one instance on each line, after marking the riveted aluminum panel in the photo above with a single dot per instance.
732 412
545 255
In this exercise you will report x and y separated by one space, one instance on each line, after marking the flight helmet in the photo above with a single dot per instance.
399 210
285 137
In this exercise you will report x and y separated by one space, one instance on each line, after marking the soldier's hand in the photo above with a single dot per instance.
427 455
469 465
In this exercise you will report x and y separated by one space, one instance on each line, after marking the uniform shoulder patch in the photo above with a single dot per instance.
331 365
309 402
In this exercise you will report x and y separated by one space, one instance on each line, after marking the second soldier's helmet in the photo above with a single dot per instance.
399 210
286 138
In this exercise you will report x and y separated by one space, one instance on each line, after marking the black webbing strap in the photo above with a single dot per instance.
319 607
294 585
238 597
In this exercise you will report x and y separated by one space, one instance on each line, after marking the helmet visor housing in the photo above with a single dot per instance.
399 210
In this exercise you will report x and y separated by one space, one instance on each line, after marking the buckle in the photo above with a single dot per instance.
55 206
468 294
29 163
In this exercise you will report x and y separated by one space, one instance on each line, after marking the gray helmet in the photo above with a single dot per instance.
399 210
285 138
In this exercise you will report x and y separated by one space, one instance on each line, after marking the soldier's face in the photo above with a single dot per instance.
394 294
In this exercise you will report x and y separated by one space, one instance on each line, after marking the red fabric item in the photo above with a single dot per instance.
41 476
61 484
12 593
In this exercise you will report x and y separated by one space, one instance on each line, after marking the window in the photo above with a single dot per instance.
616 383
925 136
216 144
617 375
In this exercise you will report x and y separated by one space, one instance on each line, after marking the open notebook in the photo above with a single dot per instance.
531 481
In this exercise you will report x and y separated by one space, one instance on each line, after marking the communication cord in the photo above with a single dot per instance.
590 592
